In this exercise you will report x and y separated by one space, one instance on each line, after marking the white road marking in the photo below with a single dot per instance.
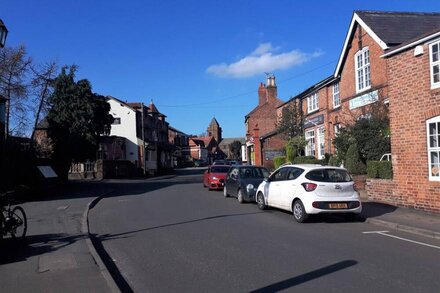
401 238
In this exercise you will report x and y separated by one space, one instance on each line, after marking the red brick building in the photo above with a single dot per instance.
262 143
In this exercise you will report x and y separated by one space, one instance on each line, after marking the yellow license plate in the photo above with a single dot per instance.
338 205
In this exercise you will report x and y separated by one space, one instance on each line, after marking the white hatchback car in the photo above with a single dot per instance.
310 189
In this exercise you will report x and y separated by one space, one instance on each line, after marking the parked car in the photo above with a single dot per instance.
242 182
199 163
214 177
310 189
234 163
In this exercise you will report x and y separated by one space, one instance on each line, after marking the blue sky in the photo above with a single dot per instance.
195 59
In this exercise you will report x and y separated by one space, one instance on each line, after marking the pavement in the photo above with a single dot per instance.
59 255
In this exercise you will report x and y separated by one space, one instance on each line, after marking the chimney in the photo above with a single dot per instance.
262 94
271 88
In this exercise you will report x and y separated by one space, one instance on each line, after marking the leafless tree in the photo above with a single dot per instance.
14 85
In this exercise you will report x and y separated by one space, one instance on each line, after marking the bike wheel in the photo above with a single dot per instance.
19 228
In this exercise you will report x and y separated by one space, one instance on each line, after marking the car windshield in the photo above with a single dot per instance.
220 169
253 173
329 175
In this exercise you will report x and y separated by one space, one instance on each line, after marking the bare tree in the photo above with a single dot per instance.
14 77
42 86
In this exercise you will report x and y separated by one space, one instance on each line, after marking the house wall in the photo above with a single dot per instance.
412 102
271 146
126 129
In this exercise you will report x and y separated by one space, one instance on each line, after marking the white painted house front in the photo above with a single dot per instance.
124 125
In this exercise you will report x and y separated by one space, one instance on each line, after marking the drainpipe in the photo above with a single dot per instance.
143 140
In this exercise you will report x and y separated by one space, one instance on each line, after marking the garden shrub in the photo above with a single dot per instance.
353 163
307 160
380 169
278 161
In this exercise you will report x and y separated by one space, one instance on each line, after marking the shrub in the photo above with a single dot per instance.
380 169
353 163
334 161
278 161
291 153
306 160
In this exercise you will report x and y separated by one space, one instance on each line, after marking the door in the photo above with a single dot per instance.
274 195
289 187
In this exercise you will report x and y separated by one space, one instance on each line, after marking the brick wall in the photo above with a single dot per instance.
382 190
412 102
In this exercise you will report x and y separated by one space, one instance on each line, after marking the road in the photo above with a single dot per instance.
172 235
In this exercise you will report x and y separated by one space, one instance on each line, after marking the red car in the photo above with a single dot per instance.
214 177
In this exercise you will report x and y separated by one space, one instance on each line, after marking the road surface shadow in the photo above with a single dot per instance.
14 250
295 281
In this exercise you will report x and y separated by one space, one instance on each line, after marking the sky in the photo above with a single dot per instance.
196 60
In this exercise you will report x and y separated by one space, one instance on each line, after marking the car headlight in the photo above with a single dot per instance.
214 178
249 187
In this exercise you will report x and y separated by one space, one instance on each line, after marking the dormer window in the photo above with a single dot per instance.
362 63
312 103
434 58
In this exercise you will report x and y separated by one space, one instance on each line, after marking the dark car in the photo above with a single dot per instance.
242 182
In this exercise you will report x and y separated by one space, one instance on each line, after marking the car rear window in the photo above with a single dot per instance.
250 172
219 169
329 175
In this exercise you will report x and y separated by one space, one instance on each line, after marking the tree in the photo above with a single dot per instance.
76 119
295 146
291 121
235 150
14 86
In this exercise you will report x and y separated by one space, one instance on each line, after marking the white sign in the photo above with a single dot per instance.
364 100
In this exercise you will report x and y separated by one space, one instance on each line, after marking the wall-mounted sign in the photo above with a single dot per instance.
364 100
269 155
317 120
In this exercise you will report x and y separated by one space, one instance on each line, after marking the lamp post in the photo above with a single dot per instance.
3 34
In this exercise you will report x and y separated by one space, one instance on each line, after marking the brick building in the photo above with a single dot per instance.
262 141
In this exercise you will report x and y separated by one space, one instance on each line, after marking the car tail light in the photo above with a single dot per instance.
309 186
315 204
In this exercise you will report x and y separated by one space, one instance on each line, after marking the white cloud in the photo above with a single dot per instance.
262 59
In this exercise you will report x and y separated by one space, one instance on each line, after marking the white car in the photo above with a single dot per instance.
310 189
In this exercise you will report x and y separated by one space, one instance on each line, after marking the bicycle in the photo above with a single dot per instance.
13 221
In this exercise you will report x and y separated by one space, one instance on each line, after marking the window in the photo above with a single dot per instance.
336 98
434 54
433 130
362 63
321 142
312 103
279 175
116 121
337 129
310 139
294 173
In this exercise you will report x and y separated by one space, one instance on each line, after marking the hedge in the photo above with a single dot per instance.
278 161
306 160
379 169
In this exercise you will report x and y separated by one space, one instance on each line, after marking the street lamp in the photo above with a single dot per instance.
3 34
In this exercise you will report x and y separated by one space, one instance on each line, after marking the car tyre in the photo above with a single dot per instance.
225 192
260 201
240 196
299 212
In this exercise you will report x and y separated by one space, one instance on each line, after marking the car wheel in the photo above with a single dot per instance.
260 201
240 196
299 213
225 192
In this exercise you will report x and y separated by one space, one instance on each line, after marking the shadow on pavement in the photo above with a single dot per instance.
13 250
376 209
292 282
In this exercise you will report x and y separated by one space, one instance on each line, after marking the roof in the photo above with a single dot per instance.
214 122
177 130
277 104
125 104
317 86
227 141
390 29
395 28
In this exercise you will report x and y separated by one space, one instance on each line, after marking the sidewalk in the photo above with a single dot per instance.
55 256
402 219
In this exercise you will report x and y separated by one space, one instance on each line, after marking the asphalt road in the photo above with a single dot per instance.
172 235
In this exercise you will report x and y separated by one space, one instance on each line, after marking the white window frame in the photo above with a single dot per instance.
312 103
337 128
310 139
321 142
433 148
362 70
433 63
336 95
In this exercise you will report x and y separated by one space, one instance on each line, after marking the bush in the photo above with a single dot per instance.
380 169
306 160
278 161
334 161
353 163
291 153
